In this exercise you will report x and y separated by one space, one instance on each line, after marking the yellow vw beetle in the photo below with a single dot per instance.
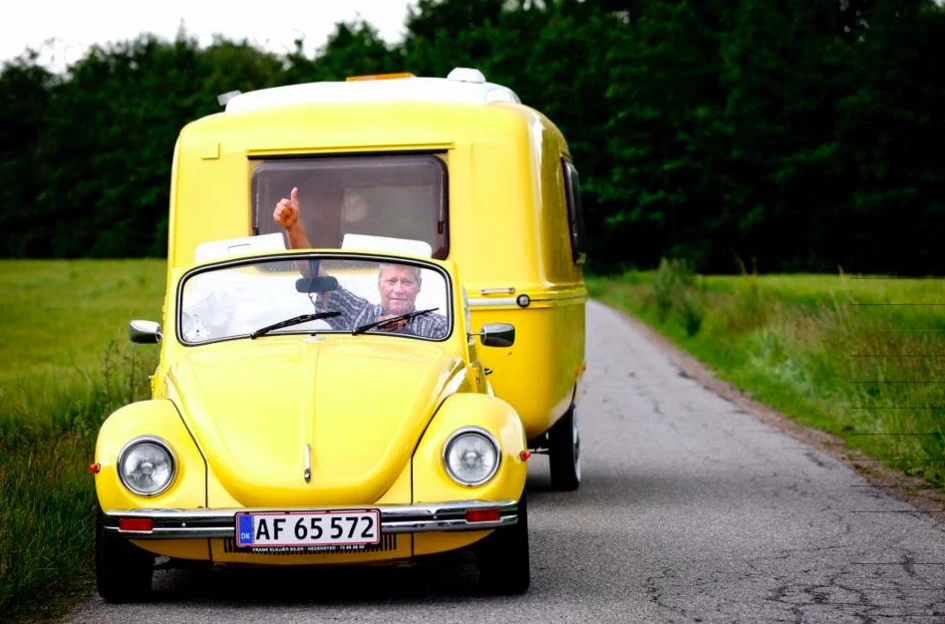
313 407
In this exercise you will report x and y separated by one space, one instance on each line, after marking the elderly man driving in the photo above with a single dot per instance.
398 285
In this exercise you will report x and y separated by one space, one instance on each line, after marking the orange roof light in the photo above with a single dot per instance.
380 76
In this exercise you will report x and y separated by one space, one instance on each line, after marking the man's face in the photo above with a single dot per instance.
399 288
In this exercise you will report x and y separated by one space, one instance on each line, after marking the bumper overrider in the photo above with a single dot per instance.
472 515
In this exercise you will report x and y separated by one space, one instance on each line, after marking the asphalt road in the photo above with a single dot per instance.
691 510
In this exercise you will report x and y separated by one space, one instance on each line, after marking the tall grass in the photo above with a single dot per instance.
67 364
860 357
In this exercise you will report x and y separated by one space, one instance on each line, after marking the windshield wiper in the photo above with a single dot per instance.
403 317
295 320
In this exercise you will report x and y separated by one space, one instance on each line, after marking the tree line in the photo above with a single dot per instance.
800 135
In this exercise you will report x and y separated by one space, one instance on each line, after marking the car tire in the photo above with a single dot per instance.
564 453
503 558
122 570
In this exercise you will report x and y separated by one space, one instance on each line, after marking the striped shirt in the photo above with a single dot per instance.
356 311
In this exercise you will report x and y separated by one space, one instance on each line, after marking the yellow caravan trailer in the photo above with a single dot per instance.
457 165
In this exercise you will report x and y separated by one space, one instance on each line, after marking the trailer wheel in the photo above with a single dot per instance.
564 448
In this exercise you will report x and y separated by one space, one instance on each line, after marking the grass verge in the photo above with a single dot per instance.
67 364
858 357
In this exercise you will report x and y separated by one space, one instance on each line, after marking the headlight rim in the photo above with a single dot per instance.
127 448
484 433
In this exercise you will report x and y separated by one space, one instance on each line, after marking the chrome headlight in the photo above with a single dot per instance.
471 456
146 466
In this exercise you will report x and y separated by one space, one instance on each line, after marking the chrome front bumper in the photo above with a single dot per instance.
221 523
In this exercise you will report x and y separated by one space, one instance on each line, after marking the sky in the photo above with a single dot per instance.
62 31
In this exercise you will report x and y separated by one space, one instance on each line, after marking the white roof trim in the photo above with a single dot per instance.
214 250
387 90
387 243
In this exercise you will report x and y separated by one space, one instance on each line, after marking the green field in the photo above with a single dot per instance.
67 363
57 317
859 357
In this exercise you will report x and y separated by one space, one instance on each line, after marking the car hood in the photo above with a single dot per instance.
362 405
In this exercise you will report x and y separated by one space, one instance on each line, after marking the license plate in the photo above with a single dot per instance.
312 528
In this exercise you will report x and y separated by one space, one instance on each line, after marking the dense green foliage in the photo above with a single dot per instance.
797 136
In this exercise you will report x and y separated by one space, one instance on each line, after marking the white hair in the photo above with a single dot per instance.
413 269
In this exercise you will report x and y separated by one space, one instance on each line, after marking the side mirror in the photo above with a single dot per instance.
145 332
497 335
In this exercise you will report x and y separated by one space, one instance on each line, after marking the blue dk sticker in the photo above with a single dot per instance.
246 530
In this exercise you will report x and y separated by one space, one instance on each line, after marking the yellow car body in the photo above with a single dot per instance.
509 212
303 420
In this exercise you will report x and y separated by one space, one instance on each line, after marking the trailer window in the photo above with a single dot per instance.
400 196
572 186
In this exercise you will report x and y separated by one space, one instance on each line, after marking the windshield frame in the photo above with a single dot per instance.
303 256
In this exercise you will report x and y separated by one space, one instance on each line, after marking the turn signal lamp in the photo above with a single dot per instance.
380 76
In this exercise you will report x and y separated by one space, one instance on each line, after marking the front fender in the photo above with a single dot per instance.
431 481
158 418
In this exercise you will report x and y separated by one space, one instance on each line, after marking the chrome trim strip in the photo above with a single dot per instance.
492 303
452 508
508 290
176 533
568 298
219 523
445 525
512 301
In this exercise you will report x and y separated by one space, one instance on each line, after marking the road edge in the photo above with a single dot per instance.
896 484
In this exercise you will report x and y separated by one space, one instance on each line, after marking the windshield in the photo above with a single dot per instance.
339 294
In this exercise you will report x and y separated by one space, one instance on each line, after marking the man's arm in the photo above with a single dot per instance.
286 214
